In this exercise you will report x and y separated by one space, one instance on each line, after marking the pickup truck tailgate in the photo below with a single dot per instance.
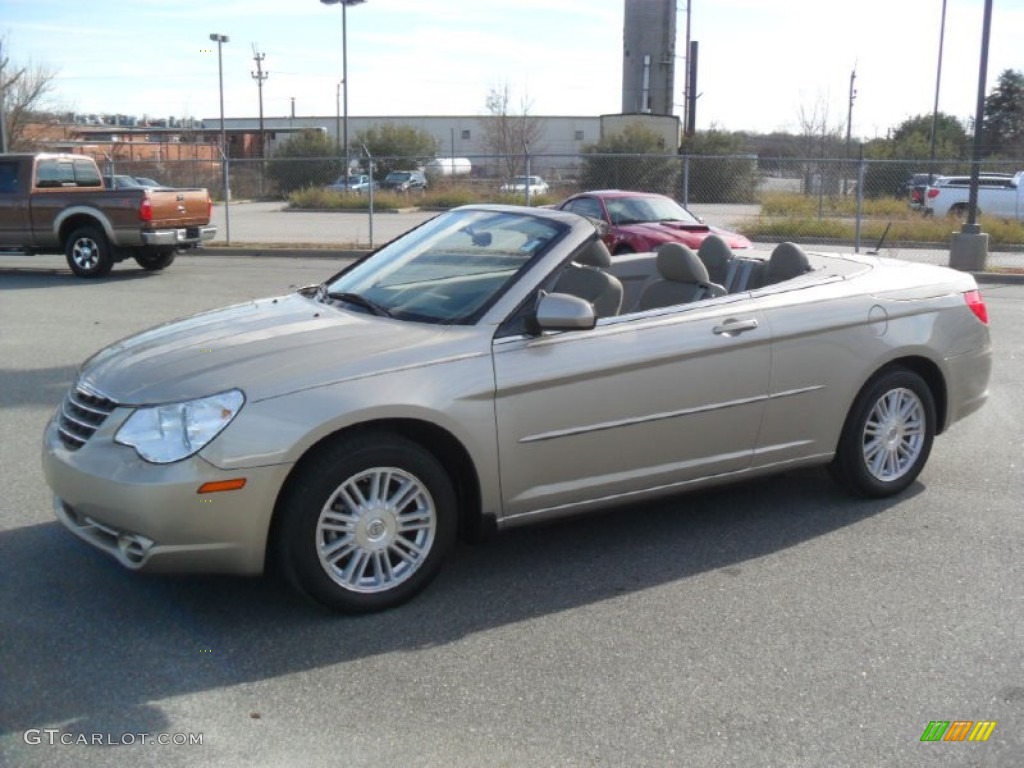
179 207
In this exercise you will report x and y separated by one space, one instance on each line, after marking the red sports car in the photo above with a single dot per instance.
641 221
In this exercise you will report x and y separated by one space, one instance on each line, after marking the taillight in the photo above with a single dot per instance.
977 305
209 207
146 209
932 192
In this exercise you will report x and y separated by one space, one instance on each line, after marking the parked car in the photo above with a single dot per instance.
405 181
914 187
492 368
358 182
641 221
151 183
519 184
121 181
999 194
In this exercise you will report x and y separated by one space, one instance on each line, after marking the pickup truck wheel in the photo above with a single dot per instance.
367 522
155 261
88 252
960 211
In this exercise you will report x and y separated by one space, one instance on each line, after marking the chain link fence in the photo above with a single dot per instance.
849 202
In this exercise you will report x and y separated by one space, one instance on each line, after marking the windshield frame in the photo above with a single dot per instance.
481 234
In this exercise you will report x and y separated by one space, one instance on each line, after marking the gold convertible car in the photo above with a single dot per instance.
492 368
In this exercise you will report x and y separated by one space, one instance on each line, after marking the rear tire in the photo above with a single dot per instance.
88 252
887 436
367 523
154 262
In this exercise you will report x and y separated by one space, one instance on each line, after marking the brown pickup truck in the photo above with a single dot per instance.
56 203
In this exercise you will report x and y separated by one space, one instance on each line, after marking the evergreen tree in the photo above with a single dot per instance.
1003 126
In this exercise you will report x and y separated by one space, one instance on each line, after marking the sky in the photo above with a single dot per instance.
764 65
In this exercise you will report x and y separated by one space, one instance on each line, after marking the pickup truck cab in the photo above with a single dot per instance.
1000 195
57 203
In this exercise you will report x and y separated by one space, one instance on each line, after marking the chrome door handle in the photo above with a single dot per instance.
735 327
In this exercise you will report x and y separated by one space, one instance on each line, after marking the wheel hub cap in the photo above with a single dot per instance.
894 434
376 529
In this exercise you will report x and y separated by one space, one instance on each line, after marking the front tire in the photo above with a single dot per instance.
887 436
88 252
154 262
367 523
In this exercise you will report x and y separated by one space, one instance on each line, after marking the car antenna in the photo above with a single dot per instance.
880 241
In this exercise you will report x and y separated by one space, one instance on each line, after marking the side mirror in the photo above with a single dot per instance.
563 312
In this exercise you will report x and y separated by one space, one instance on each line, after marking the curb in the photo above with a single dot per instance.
246 252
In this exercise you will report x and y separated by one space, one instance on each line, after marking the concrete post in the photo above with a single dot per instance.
968 250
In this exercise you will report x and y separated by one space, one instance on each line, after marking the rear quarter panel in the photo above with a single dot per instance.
829 340
55 210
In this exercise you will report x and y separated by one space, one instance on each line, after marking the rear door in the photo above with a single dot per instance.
635 404
15 225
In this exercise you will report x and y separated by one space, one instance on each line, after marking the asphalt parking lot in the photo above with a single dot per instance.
777 623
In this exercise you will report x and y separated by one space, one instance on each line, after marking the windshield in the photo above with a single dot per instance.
634 210
449 270
398 176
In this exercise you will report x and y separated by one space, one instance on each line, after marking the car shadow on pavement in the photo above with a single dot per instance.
37 386
88 645
49 278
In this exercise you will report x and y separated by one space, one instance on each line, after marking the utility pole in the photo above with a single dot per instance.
849 119
259 76
4 82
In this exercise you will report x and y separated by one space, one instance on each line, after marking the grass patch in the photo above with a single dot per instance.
441 198
792 216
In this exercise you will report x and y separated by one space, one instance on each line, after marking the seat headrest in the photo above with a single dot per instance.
595 255
680 264
788 260
715 252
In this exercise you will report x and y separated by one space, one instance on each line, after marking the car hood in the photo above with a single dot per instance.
677 231
266 348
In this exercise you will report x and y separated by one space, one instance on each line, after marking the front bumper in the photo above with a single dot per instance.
180 236
151 517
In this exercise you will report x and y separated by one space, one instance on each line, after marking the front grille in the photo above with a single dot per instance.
81 414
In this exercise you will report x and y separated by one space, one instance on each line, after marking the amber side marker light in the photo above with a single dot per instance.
222 485
977 305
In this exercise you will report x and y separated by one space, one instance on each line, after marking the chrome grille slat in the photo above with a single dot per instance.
81 413
75 419
85 407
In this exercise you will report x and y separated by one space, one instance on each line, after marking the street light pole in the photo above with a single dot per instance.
220 40
935 110
337 118
344 68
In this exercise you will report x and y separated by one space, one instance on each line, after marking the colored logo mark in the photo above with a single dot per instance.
958 730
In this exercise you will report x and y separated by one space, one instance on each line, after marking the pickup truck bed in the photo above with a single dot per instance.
56 203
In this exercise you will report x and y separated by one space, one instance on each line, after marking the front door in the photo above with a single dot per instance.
635 404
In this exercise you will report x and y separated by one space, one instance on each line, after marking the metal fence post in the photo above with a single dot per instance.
227 197
686 181
860 199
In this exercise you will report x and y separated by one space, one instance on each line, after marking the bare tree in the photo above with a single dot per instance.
510 134
23 90
817 137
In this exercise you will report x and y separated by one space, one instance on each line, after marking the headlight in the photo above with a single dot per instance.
164 434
